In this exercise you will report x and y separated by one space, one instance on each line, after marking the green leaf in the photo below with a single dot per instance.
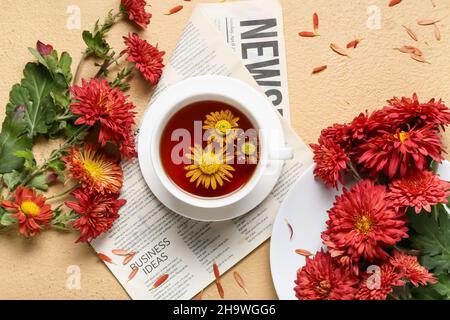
437 291
13 179
6 219
59 68
39 182
65 63
443 285
26 154
425 293
432 239
62 220
34 93
13 139
57 165
96 44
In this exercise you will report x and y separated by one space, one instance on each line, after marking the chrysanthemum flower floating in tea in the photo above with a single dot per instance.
209 167
221 125
248 151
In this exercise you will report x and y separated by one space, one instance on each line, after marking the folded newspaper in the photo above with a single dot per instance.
243 40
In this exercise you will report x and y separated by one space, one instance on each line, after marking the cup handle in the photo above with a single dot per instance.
286 153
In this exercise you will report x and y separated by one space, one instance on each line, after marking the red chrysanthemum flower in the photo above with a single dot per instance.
410 268
30 210
338 133
93 170
322 279
136 12
378 285
97 213
331 162
362 126
361 223
95 101
147 58
413 113
394 154
127 147
420 190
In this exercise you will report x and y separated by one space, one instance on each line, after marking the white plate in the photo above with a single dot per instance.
305 208
219 85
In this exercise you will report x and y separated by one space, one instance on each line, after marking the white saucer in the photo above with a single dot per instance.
305 209
156 110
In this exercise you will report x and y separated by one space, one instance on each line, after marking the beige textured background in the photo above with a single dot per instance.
375 72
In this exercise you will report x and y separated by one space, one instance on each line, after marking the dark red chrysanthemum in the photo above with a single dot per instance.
420 190
331 162
394 154
30 211
136 12
147 58
96 212
379 284
96 102
409 267
361 224
409 111
322 279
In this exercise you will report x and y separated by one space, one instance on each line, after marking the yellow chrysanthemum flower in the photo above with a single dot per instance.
221 125
250 152
209 167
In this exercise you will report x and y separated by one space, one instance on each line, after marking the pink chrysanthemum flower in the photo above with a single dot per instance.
420 190
331 162
361 224
322 279
410 268
147 58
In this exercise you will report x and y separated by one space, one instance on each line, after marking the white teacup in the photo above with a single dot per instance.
212 88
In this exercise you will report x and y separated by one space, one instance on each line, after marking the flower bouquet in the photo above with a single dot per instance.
95 121
388 236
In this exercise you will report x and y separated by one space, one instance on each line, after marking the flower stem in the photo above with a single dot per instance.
56 154
76 76
353 170
107 63
63 193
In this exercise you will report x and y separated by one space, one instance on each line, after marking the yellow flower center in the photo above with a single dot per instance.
30 208
223 127
93 168
363 223
403 136
209 163
248 148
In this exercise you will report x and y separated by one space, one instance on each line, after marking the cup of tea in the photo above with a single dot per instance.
212 139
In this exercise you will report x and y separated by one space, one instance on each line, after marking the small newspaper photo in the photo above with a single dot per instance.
243 40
